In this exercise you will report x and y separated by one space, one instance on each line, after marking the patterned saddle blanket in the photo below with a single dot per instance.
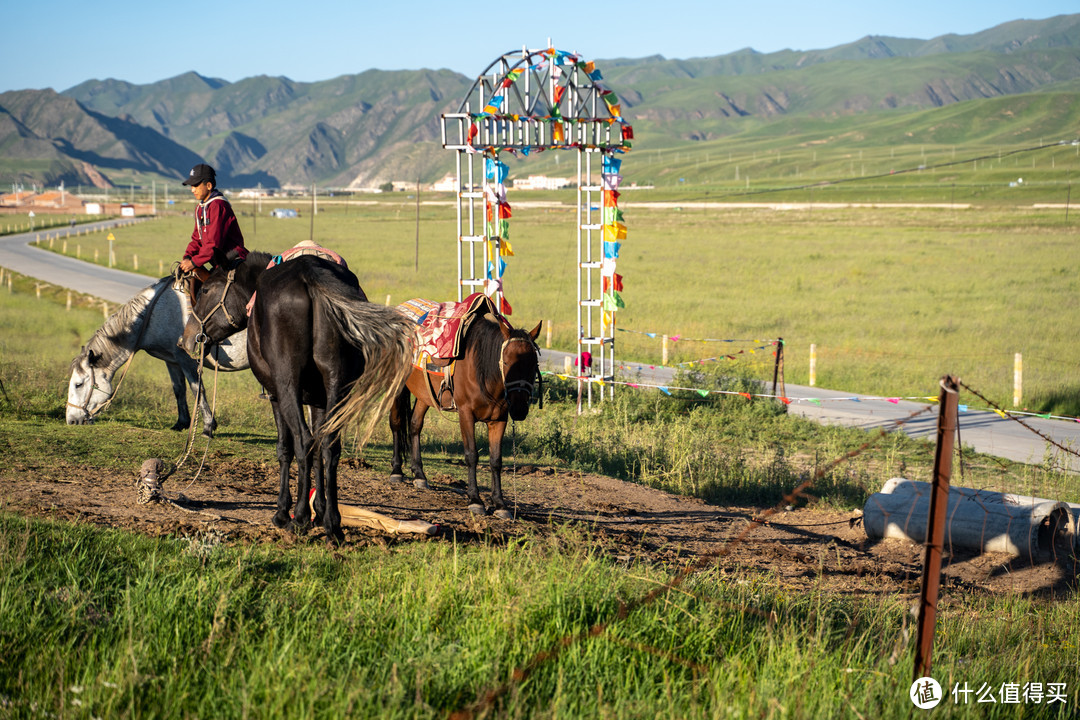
440 327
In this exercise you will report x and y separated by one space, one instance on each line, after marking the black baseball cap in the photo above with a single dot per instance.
200 174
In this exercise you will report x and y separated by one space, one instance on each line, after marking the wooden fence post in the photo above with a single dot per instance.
1018 379
663 352
935 526
813 364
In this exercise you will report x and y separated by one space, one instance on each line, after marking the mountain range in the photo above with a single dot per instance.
366 129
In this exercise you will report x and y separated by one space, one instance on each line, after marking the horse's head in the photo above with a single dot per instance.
220 307
89 388
520 366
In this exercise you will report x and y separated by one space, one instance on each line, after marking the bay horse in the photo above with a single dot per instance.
492 380
313 339
150 321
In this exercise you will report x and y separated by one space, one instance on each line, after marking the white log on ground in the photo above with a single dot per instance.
974 519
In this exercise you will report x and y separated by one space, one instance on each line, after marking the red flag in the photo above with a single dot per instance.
627 132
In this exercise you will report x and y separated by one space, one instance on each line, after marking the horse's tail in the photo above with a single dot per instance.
384 336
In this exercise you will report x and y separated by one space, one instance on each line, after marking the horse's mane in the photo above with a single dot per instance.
106 341
486 340
249 270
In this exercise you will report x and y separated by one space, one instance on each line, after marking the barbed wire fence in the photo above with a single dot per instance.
1053 527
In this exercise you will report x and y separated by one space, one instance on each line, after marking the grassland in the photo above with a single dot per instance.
892 297
112 625
117 625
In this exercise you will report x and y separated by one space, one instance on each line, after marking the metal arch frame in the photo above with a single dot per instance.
558 98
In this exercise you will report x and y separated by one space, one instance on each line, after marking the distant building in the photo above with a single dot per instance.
127 210
255 193
93 208
541 182
448 183
15 198
284 213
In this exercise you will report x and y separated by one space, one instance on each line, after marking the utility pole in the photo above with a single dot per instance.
416 263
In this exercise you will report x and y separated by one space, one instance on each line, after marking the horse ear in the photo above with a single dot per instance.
505 328
92 358
535 332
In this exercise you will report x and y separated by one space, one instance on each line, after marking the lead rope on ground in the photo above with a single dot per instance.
513 460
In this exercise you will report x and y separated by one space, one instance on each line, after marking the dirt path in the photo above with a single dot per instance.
798 549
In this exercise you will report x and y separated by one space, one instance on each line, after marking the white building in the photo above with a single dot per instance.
541 182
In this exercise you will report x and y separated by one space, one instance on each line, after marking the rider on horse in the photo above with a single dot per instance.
216 228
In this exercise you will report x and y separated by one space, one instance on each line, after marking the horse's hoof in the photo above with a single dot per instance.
281 520
477 509
397 478
176 426
421 484
335 538
504 514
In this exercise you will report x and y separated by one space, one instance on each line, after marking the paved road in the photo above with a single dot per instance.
117 286
986 432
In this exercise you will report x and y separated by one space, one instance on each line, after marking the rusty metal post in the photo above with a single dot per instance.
935 540
778 369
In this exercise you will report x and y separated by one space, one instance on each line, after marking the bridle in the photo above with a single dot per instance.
525 385
85 407
220 305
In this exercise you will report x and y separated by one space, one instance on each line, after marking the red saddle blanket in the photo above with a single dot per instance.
440 327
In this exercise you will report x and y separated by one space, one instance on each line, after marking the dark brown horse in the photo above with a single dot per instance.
313 339
493 379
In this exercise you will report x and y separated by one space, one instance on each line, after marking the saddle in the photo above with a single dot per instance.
439 332
304 247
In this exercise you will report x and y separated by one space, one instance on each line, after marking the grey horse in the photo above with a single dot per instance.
153 321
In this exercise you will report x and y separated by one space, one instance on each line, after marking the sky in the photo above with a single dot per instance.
61 43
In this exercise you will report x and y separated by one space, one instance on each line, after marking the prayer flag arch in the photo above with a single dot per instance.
526 102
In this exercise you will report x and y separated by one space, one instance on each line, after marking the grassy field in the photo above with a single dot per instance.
114 625
892 298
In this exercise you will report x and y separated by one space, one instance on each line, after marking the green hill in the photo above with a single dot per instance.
1015 83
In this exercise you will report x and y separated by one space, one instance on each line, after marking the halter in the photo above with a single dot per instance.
85 407
523 385
220 305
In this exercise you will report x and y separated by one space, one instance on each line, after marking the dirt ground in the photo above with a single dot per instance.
797 549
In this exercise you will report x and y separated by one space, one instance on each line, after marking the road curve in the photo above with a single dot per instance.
985 432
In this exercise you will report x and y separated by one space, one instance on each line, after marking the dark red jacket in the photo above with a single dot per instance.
216 231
